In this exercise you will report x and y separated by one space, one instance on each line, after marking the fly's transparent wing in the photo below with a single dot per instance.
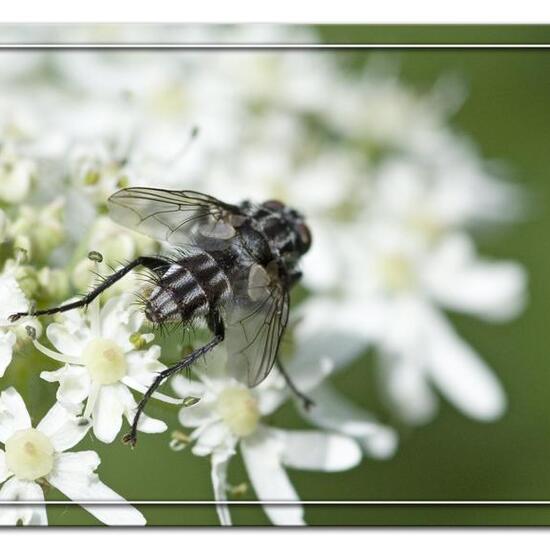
254 328
176 217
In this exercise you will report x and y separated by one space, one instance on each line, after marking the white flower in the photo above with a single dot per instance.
12 300
317 355
229 416
16 175
103 364
32 456
433 197
390 297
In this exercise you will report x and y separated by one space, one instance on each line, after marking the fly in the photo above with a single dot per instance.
234 267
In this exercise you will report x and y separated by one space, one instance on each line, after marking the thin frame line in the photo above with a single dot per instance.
286 502
199 46
109 46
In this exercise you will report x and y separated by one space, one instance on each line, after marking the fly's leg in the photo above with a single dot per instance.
145 261
306 401
215 324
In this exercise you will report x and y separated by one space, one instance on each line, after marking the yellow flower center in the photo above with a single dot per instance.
426 224
396 272
105 361
239 410
29 454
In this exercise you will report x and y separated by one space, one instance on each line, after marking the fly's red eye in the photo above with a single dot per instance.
274 204
305 236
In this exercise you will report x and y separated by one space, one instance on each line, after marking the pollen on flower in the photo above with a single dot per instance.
105 361
239 410
29 454
396 272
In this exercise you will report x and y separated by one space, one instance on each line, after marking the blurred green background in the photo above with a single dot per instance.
507 114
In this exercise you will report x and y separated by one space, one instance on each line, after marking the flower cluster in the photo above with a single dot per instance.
394 197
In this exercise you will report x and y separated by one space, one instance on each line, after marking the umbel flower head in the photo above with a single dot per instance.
393 296
228 417
33 456
105 357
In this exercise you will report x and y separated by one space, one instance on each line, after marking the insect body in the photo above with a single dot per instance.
234 268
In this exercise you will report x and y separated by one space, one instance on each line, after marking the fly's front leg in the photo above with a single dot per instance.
215 324
306 401
294 277
149 262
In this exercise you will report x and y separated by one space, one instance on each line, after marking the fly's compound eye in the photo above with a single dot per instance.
304 234
273 204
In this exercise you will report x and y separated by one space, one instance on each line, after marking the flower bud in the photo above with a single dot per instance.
16 176
53 284
39 231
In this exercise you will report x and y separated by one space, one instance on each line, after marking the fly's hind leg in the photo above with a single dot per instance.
149 262
215 324
306 401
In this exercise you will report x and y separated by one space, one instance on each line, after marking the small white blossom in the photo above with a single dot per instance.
436 196
228 417
34 456
103 360
16 175
391 299
12 300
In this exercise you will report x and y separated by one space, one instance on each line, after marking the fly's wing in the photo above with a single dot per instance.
176 217
254 328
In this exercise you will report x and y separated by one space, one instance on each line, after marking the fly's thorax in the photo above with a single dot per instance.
280 230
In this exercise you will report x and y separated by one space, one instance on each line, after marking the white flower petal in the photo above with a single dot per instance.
4 472
62 428
406 387
7 341
212 436
334 412
119 319
461 375
185 387
145 424
73 476
316 450
220 460
149 425
262 454
32 514
137 386
12 298
74 383
144 366
197 415
107 414
336 328
13 414
491 290
340 346
67 338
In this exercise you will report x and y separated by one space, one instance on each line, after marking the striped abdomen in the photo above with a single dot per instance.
189 288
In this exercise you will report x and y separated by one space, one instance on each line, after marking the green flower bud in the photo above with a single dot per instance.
39 231
54 284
